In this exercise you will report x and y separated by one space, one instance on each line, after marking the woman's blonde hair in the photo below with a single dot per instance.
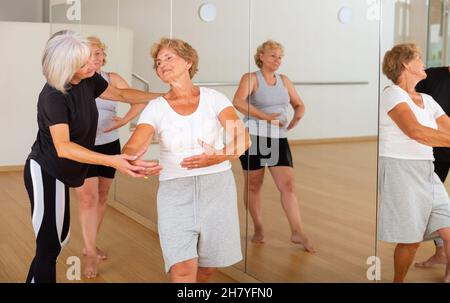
268 45
95 41
65 53
394 59
181 48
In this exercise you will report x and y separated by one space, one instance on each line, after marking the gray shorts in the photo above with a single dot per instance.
198 218
413 202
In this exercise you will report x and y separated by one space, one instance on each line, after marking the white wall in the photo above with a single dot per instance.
411 19
21 79
20 83
22 10
388 36
318 48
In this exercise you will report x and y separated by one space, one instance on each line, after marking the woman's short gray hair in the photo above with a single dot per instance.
65 53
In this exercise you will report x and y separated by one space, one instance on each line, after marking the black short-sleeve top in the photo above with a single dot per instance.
78 109
437 85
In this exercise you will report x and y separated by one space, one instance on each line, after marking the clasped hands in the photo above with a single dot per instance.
134 166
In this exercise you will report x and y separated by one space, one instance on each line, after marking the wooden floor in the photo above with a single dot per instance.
336 187
133 250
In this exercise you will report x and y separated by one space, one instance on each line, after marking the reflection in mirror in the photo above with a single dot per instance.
425 24
328 196
333 149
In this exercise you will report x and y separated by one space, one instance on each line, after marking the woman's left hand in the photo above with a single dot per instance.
210 157
118 123
297 117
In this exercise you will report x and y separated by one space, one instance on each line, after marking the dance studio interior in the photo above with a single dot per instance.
332 53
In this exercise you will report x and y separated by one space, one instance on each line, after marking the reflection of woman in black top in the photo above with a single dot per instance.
67 121
437 85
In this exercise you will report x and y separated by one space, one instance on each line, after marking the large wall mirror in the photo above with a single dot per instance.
424 23
331 57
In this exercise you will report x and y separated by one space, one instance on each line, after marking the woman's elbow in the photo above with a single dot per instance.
239 106
61 150
248 141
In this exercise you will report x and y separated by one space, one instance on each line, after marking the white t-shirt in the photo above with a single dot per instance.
178 134
394 142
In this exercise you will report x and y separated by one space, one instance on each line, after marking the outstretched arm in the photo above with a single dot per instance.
70 150
128 95
135 109
138 144
405 119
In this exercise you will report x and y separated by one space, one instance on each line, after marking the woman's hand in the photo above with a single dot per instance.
152 168
122 163
273 119
297 117
211 156
118 123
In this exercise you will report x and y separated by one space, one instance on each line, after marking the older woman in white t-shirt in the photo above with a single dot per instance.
197 204
413 203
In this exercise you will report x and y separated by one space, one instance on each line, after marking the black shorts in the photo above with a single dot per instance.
441 169
94 170
266 151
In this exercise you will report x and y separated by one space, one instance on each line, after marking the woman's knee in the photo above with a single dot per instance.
185 268
287 186
87 199
444 234
102 197
255 184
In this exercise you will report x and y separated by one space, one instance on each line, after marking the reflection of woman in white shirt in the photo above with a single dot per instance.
413 203
197 211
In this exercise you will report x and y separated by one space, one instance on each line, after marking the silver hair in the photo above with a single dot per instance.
65 53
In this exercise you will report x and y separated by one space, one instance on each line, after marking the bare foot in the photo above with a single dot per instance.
303 239
258 238
433 260
90 266
101 255
447 274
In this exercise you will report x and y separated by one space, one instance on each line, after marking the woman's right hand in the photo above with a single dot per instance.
122 163
273 119
152 168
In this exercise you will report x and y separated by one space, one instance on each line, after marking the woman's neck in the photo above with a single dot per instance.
408 84
183 88
75 80
268 74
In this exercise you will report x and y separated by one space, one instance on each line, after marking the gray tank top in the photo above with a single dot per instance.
106 111
269 99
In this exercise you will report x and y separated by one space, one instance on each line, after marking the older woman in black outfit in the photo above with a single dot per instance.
67 121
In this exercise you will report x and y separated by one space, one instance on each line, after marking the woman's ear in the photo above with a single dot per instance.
261 55
189 65
405 65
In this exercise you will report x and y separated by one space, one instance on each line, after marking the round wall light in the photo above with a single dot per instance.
207 12
345 15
